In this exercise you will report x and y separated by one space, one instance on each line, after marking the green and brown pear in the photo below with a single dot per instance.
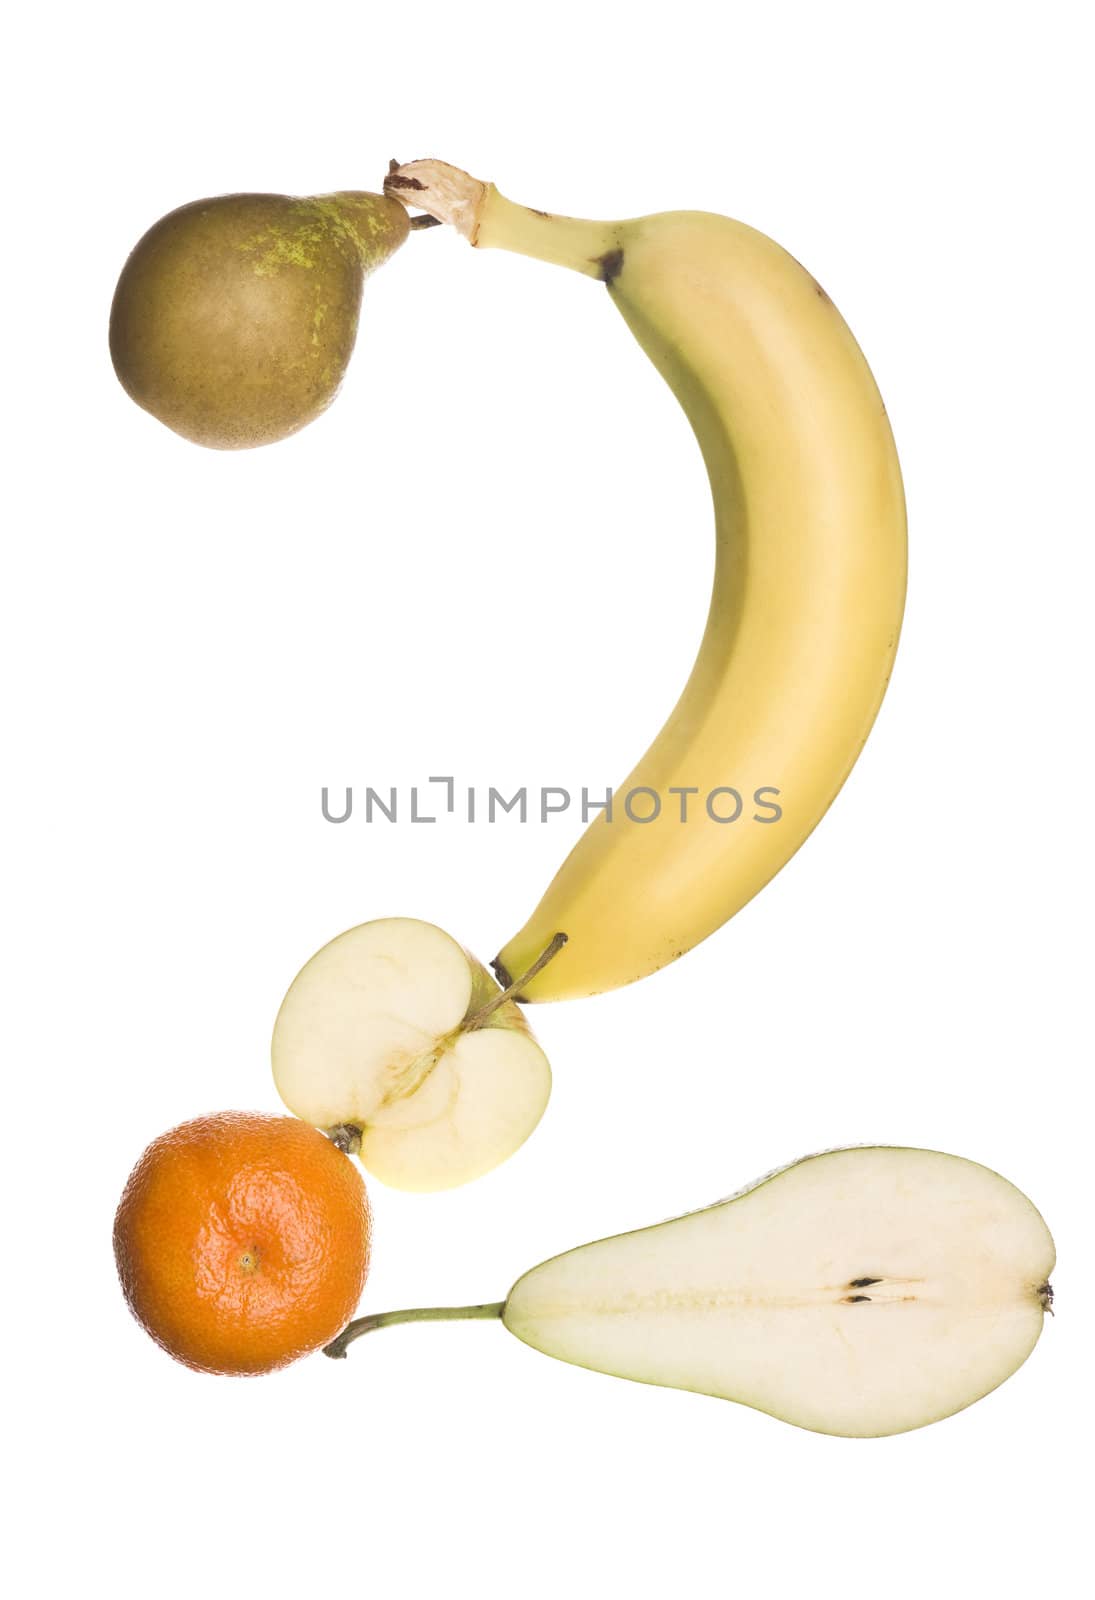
234 318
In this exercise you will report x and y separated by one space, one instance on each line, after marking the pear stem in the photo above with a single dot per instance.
513 989
385 1319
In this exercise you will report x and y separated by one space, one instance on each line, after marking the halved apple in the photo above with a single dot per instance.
399 1044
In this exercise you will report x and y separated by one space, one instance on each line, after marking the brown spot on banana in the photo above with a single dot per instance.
611 265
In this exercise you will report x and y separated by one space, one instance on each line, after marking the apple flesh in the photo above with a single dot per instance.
380 1042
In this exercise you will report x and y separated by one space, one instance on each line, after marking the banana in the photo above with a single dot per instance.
809 581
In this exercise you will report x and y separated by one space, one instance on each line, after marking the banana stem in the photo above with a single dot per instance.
487 219
512 989
386 1319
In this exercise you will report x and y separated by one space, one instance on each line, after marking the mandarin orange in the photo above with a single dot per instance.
242 1241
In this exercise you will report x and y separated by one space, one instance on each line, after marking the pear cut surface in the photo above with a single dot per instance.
858 1292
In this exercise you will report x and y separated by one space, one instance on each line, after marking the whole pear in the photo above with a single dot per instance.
234 318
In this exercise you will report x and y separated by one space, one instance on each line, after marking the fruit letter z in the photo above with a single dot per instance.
809 578
860 1292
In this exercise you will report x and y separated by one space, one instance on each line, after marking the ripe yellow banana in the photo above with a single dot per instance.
809 580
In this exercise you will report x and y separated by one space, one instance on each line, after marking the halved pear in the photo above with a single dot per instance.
860 1292
396 1041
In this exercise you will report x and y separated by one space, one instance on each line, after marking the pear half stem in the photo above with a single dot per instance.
514 988
385 1319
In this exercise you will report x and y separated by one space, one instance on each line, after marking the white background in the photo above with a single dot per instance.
492 558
